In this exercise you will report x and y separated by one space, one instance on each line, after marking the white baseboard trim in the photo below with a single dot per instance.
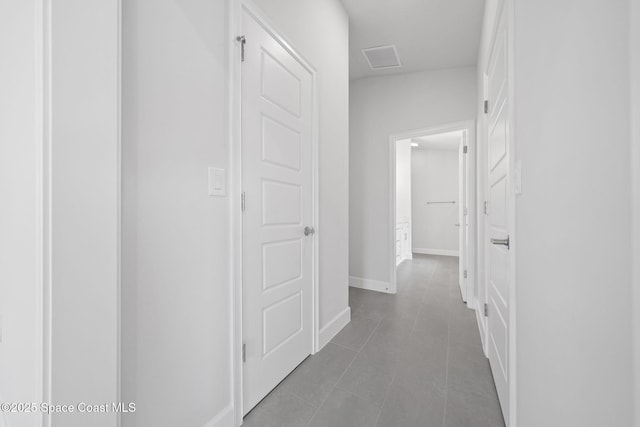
225 418
406 257
334 326
443 252
369 284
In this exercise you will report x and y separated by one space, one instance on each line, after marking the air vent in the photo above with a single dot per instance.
382 57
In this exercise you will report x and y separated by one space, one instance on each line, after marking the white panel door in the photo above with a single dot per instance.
277 183
498 227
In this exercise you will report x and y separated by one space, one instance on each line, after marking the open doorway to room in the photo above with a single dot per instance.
432 199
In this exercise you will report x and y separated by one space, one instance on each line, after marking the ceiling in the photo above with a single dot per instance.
428 34
443 141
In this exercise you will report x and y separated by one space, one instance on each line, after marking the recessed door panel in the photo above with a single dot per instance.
498 69
280 144
279 84
281 320
281 262
498 138
498 341
498 195
498 272
281 203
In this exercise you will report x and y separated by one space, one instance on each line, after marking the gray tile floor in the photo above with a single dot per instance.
410 359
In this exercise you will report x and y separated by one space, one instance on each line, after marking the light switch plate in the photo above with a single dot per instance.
217 182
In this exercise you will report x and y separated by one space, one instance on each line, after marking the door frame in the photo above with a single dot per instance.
469 126
482 217
509 16
234 95
635 184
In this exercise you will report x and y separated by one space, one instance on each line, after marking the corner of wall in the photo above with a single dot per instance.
634 49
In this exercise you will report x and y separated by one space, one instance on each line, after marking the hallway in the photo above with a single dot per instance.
410 359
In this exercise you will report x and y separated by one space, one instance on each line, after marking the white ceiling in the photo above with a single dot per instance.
428 34
443 141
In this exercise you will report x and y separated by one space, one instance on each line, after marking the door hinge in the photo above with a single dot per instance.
486 208
486 310
465 149
465 274
244 352
242 201
466 211
242 40
486 106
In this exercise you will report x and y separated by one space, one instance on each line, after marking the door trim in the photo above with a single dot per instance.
482 244
509 15
470 127
635 186
236 8
44 150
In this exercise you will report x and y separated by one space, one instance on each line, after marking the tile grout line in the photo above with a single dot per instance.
446 375
344 372
415 321
342 346
395 371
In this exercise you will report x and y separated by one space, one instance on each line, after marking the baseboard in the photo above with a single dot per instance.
225 418
443 252
369 284
334 326
406 258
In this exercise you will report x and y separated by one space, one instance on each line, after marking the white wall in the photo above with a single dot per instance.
435 179
430 98
176 278
634 48
176 291
85 141
20 263
403 181
573 291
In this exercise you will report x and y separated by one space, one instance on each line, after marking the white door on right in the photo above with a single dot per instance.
498 222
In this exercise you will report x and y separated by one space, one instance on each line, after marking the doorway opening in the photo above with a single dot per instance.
432 183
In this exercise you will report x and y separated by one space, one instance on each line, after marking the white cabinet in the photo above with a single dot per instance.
403 242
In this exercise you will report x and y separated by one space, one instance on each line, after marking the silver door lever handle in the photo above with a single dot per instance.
309 231
502 242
